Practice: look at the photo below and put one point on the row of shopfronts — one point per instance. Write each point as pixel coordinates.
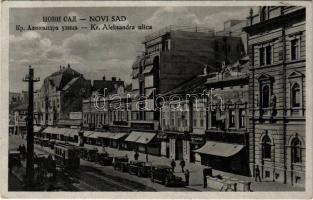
(145, 142)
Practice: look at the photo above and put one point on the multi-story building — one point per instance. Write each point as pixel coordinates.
(206, 113)
(95, 108)
(227, 142)
(61, 94)
(174, 55)
(182, 119)
(276, 47)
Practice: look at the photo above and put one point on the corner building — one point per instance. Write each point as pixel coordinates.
(276, 47)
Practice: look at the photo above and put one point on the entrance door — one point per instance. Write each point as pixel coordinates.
(178, 149)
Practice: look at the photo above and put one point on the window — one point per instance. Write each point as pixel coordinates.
(268, 55)
(267, 148)
(265, 55)
(231, 118)
(213, 118)
(195, 118)
(171, 118)
(295, 49)
(296, 151)
(265, 97)
(295, 95)
(261, 55)
(201, 119)
(242, 118)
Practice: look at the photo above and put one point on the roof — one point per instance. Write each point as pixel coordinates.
(69, 84)
(108, 84)
(61, 77)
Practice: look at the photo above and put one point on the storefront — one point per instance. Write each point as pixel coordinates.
(222, 156)
(144, 142)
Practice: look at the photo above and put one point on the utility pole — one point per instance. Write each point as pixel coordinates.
(30, 128)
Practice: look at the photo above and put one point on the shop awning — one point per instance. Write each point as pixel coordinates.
(146, 138)
(96, 135)
(140, 137)
(117, 136)
(71, 132)
(52, 130)
(113, 136)
(133, 136)
(148, 69)
(87, 133)
(219, 149)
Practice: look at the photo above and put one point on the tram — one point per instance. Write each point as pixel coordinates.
(67, 156)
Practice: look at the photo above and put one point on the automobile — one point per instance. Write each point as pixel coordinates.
(104, 159)
(164, 174)
(139, 168)
(121, 163)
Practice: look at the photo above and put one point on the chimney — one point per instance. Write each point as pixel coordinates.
(103, 78)
(114, 78)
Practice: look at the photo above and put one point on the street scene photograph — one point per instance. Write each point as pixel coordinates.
(157, 99)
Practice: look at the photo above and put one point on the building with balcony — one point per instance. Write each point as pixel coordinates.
(276, 47)
(172, 56)
(226, 145)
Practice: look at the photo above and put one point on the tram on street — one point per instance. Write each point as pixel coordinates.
(67, 156)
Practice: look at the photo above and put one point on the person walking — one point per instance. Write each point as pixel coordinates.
(173, 164)
(257, 174)
(187, 175)
(136, 156)
(182, 164)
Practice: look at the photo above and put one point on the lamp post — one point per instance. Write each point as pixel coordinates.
(30, 128)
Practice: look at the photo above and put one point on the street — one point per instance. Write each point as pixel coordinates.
(93, 177)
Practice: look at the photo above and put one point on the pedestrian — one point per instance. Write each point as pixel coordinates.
(182, 164)
(257, 174)
(136, 155)
(187, 175)
(147, 159)
(173, 164)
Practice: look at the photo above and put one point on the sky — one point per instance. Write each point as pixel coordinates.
(96, 53)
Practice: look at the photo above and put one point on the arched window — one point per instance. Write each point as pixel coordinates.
(265, 97)
(296, 153)
(267, 147)
(295, 95)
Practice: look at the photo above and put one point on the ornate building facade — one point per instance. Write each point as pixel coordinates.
(276, 47)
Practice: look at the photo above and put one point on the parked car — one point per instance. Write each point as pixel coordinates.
(104, 159)
(121, 163)
(140, 168)
(164, 174)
